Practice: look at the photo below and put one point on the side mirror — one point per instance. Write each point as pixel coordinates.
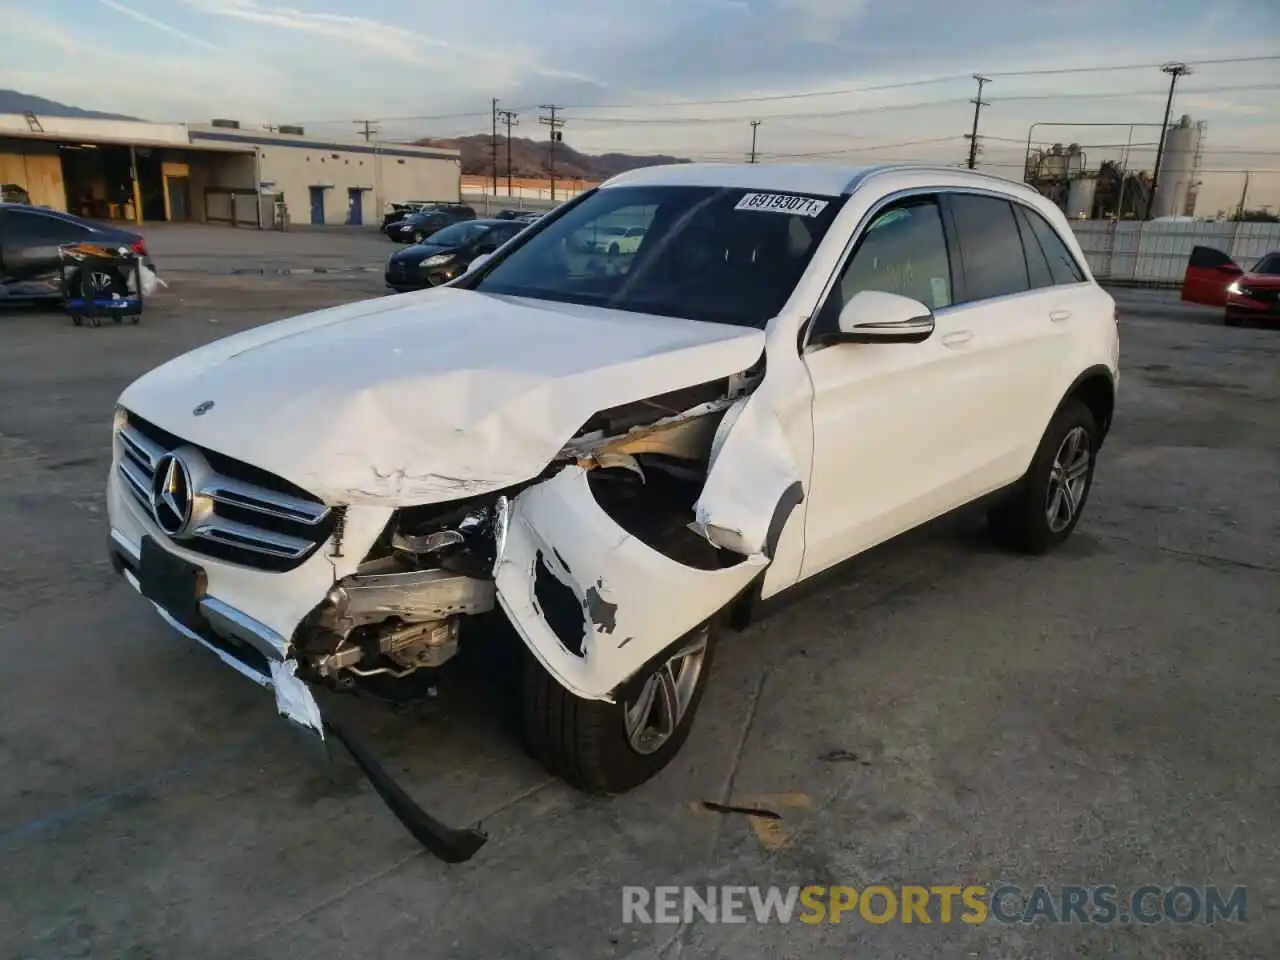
(479, 262)
(873, 316)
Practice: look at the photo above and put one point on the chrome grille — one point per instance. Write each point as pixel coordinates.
(237, 512)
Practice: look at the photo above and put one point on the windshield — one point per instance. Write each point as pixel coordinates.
(702, 253)
(458, 235)
(1269, 265)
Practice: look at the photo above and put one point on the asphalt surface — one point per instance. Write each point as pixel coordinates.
(943, 714)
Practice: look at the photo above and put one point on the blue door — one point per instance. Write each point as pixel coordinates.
(355, 205)
(317, 204)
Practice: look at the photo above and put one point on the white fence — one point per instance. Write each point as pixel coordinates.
(1156, 253)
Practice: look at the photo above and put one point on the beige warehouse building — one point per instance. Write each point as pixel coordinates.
(218, 172)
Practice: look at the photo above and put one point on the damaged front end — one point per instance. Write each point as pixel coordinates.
(644, 525)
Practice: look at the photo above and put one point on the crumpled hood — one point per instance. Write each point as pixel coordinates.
(428, 396)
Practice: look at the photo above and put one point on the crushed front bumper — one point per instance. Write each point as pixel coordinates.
(250, 648)
(256, 651)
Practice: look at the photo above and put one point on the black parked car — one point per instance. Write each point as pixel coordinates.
(30, 267)
(417, 225)
(447, 253)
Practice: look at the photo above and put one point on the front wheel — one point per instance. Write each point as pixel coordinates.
(1047, 506)
(608, 748)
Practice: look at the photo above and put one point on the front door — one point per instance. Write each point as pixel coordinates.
(892, 423)
(355, 206)
(1209, 273)
(179, 191)
(317, 204)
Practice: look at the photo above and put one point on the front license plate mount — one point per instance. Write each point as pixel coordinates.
(171, 582)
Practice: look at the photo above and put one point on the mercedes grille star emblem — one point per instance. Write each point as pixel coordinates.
(171, 495)
(203, 408)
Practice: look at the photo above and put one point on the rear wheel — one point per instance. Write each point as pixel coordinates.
(1045, 509)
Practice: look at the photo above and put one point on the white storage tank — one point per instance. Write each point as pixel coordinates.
(1179, 168)
(1080, 194)
(1053, 165)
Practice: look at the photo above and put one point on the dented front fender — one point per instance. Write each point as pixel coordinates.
(593, 603)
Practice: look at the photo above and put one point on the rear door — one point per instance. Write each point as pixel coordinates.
(31, 240)
(1020, 318)
(1209, 273)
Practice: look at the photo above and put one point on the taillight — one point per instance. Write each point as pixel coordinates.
(139, 247)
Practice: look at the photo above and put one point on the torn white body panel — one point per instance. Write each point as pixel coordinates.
(427, 397)
(634, 602)
(753, 483)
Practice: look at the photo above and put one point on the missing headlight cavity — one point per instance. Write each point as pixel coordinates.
(658, 509)
(560, 607)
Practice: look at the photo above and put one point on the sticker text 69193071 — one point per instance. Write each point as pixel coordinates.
(781, 203)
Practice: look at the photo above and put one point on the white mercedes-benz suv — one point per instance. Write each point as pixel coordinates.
(620, 456)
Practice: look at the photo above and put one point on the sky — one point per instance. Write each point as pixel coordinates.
(625, 72)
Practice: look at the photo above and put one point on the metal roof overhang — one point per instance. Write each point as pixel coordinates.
(59, 139)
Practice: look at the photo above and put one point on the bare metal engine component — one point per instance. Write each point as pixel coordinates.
(411, 646)
(420, 645)
(413, 596)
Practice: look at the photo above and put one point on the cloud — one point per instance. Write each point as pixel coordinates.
(164, 27)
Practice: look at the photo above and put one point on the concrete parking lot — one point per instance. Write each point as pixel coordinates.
(945, 714)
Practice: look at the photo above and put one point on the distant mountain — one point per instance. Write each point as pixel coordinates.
(529, 158)
(12, 101)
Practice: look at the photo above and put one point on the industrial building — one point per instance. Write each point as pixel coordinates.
(1110, 190)
(217, 172)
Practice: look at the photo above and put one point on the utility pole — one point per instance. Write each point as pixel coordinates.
(493, 142)
(556, 137)
(1244, 196)
(368, 129)
(978, 104)
(1175, 70)
(754, 125)
(509, 118)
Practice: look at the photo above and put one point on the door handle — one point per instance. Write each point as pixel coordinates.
(1057, 316)
(958, 338)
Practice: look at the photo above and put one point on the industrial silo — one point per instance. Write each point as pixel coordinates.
(1179, 168)
(1080, 196)
(1053, 164)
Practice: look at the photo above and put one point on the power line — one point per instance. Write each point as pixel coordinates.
(929, 81)
(917, 105)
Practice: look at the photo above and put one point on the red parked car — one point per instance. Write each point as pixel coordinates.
(1214, 279)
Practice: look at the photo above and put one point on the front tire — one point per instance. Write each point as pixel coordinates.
(1047, 506)
(609, 748)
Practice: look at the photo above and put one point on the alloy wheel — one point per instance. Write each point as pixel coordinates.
(664, 699)
(1068, 479)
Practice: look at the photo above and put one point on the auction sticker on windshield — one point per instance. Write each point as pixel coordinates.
(782, 203)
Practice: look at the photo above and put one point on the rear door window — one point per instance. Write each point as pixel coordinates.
(1037, 263)
(990, 247)
(1062, 265)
